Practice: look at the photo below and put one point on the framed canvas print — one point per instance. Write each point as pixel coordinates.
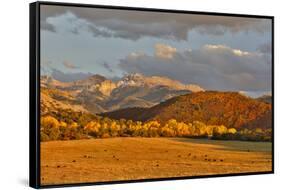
(122, 94)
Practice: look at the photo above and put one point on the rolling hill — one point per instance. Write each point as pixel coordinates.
(265, 98)
(52, 100)
(227, 108)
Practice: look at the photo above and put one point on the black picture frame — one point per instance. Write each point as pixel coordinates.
(34, 93)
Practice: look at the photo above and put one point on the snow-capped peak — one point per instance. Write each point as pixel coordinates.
(134, 79)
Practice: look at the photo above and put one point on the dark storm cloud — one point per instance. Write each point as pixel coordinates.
(69, 77)
(137, 24)
(215, 67)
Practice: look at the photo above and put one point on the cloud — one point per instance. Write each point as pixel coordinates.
(265, 48)
(69, 77)
(46, 63)
(46, 66)
(69, 65)
(47, 26)
(164, 51)
(224, 49)
(134, 25)
(214, 67)
(107, 67)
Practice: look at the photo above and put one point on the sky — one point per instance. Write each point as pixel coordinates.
(216, 52)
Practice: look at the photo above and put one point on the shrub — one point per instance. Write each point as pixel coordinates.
(44, 136)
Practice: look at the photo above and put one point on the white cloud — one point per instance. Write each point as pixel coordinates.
(217, 67)
(224, 48)
(164, 51)
(238, 52)
(135, 55)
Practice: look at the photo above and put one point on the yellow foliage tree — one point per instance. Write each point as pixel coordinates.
(93, 128)
(219, 130)
(50, 127)
(231, 131)
(49, 122)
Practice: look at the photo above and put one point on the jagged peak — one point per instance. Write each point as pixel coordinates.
(133, 76)
(138, 79)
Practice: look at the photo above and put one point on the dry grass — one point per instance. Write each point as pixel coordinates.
(139, 158)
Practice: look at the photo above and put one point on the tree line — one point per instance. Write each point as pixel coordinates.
(69, 125)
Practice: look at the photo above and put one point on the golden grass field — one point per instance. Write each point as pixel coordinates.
(129, 158)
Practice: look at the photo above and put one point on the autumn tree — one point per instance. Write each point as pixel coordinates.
(49, 127)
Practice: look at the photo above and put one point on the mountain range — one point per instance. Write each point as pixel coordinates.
(144, 98)
(97, 94)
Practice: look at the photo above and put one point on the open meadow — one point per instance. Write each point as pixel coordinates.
(130, 158)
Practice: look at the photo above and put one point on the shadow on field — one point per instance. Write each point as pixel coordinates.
(244, 146)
